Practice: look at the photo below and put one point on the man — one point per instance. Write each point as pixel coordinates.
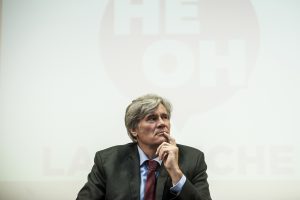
(153, 166)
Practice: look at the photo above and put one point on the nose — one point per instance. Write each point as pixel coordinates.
(161, 122)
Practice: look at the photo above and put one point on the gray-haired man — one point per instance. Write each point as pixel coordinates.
(125, 171)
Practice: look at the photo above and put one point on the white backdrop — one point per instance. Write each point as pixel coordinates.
(69, 68)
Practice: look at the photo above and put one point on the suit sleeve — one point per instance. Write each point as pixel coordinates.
(95, 187)
(196, 187)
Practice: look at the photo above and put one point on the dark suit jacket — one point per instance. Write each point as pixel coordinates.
(116, 176)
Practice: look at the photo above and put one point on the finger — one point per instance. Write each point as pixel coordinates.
(163, 150)
(159, 147)
(163, 154)
(171, 140)
(167, 136)
(160, 153)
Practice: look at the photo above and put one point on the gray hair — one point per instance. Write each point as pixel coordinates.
(141, 107)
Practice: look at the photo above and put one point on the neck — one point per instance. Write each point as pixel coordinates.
(149, 150)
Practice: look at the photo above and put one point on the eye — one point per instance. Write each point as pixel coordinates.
(151, 118)
(165, 116)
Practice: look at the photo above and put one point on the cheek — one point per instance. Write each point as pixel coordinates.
(147, 129)
(150, 128)
(168, 124)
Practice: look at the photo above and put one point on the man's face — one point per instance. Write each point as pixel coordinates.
(149, 131)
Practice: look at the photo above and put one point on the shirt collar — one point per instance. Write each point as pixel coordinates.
(143, 157)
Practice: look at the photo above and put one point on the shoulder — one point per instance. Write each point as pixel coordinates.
(117, 151)
(189, 150)
(190, 154)
(191, 160)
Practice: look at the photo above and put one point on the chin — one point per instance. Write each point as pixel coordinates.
(162, 139)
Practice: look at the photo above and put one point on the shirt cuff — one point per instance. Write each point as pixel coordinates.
(178, 186)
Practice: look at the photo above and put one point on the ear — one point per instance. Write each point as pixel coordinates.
(133, 132)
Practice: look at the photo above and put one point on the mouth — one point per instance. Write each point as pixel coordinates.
(161, 133)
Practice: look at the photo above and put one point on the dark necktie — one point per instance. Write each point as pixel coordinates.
(151, 180)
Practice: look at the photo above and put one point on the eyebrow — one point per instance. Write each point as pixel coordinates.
(151, 115)
(154, 114)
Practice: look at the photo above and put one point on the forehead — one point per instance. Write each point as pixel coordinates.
(159, 109)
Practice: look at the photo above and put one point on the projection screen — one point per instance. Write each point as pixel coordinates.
(230, 68)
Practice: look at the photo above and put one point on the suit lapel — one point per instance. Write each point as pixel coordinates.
(133, 165)
(161, 181)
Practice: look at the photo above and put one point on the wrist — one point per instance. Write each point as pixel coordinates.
(176, 175)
